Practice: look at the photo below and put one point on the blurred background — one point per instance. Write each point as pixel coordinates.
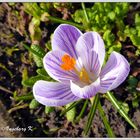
(25, 27)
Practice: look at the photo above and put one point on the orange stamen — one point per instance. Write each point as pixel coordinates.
(68, 62)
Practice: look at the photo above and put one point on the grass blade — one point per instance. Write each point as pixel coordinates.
(82, 111)
(105, 121)
(91, 114)
(85, 12)
(59, 20)
(29, 96)
(120, 109)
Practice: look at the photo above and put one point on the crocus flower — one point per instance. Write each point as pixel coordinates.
(75, 62)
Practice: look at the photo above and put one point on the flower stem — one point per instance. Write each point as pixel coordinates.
(91, 114)
(59, 20)
(85, 12)
(82, 111)
(120, 109)
(105, 121)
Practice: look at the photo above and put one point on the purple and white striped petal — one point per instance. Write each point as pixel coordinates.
(65, 38)
(90, 48)
(114, 73)
(52, 64)
(86, 91)
(53, 93)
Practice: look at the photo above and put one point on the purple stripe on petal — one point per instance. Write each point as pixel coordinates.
(64, 76)
(90, 48)
(53, 93)
(60, 71)
(65, 38)
(114, 73)
(66, 95)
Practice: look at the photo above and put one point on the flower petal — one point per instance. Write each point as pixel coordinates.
(87, 91)
(114, 73)
(53, 93)
(90, 48)
(52, 63)
(65, 38)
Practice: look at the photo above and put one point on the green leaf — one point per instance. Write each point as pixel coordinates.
(132, 81)
(124, 106)
(33, 51)
(30, 82)
(105, 121)
(39, 50)
(48, 44)
(108, 37)
(112, 15)
(116, 47)
(138, 30)
(42, 72)
(48, 109)
(71, 113)
(91, 114)
(124, 7)
(59, 20)
(122, 36)
(120, 109)
(135, 40)
(102, 16)
(127, 31)
(79, 16)
(33, 104)
(82, 111)
(137, 19)
(32, 9)
(120, 25)
(138, 52)
(133, 31)
(24, 73)
(24, 97)
(38, 61)
(38, 54)
(28, 96)
(117, 10)
(135, 102)
(34, 29)
(45, 6)
(85, 12)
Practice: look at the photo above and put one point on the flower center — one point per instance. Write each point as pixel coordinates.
(69, 64)
(83, 75)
